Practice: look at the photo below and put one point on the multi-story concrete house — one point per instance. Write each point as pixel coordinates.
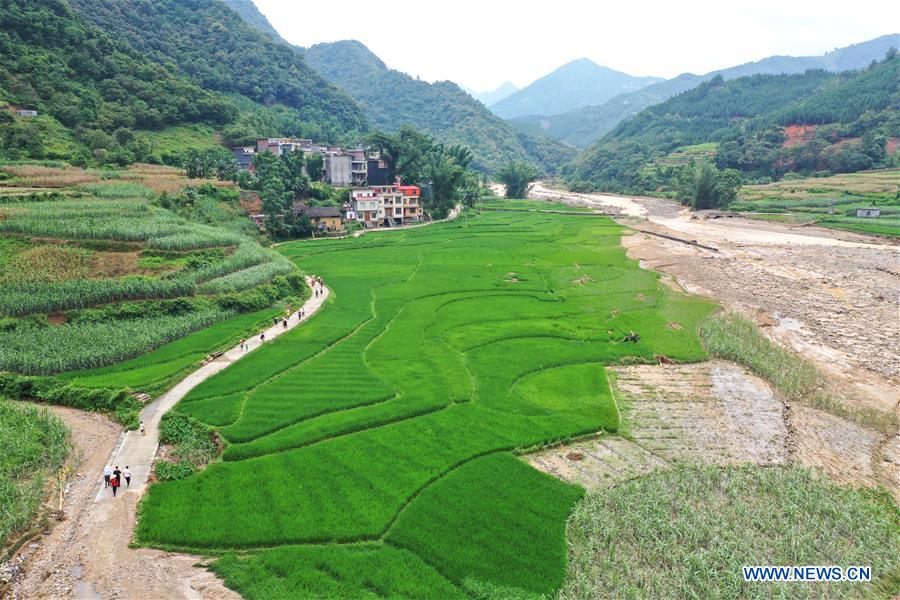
(338, 169)
(279, 146)
(386, 205)
(359, 169)
(243, 156)
(367, 207)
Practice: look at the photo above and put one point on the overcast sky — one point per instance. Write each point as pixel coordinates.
(481, 43)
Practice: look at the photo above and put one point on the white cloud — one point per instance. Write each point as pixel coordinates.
(480, 44)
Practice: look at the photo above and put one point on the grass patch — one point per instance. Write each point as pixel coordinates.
(686, 533)
(733, 337)
(33, 445)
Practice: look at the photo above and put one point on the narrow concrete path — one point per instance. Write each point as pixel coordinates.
(137, 451)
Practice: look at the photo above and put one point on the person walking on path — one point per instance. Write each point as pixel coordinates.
(284, 323)
(243, 344)
(107, 473)
(114, 484)
(127, 475)
(117, 474)
(262, 337)
(142, 428)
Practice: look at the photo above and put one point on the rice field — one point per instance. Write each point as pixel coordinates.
(373, 450)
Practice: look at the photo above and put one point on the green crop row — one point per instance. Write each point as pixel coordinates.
(249, 277)
(44, 350)
(23, 299)
(126, 221)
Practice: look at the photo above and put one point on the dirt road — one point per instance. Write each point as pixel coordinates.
(87, 556)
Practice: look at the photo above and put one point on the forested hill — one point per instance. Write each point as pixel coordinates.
(391, 99)
(85, 85)
(212, 45)
(584, 125)
(249, 13)
(763, 125)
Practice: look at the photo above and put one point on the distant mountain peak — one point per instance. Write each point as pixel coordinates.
(577, 83)
(507, 88)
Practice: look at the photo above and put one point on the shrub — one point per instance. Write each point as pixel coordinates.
(115, 402)
(172, 471)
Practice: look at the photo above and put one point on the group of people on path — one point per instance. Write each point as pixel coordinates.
(113, 478)
(318, 288)
(318, 285)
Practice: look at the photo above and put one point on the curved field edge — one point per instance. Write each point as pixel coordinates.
(409, 314)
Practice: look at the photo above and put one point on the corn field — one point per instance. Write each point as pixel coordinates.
(125, 221)
(46, 350)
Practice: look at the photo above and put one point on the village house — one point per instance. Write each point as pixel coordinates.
(279, 146)
(24, 112)
(323, 218)
(338, 169)
(870, 212)
(386, 205)
(243, 156)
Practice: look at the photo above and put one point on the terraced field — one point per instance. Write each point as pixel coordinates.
(373, 450)
(96, 268)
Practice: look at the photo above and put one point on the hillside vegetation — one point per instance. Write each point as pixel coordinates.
(853, 113)
(86, 85)
(212, 45)
(392, 99)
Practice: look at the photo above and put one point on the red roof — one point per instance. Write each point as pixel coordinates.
(410, 190)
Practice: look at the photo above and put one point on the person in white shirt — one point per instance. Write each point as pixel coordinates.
(127, 475)
(107, 473)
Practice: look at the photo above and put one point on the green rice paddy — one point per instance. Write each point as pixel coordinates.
(373, 450)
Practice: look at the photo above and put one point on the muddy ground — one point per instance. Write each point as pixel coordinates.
(86, 555)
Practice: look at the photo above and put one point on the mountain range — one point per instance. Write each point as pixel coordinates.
(575, 84)
(507, 88)
(588, 122)
(391, 99)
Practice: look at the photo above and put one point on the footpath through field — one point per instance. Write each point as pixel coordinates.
(87, 555)
(138, 451)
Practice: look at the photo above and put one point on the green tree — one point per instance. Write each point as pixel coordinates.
(314, 165)
(703, 186)
(516, 176)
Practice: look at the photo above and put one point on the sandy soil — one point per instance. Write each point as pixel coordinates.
(713, 412)
(86, 556)
(717, 413)
(831, 296)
